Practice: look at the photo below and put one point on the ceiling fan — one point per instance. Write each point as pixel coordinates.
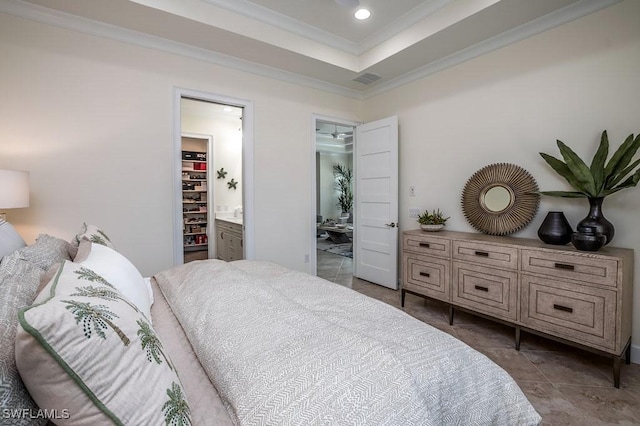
(336, 134)
(348, 3)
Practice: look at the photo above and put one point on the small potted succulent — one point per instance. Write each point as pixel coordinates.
(433, 221)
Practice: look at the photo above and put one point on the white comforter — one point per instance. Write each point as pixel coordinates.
(286, 348)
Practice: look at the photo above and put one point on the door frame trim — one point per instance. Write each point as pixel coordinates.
(248, 195)
(313, 260)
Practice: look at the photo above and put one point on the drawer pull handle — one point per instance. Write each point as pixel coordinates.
(479, 287)
(424, 245)
(563, 308)
(425, 274)
(482, 253)
(564, 266)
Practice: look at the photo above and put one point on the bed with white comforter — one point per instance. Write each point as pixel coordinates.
(86, 340)
(284, 347)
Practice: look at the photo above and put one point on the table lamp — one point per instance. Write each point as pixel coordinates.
(14, 194)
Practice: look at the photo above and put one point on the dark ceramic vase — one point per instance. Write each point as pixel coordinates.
(555, 229)
(586, 238)
(595, 219)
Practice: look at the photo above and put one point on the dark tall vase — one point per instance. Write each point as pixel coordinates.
(595, 219)
(555, 229)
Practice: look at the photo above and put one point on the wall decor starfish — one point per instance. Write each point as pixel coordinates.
(221, 173)
(232, 184)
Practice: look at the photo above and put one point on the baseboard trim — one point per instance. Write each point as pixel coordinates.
(635, 354)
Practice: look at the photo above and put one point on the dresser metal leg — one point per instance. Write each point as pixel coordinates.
(616, 371)
(517, 338)
(451, 315)
(402, 298)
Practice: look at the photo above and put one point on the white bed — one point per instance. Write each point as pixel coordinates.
(252, 343)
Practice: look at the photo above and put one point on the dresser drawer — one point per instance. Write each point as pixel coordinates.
(429, 276)
(487, 290)
(572, 311)
(580, 267)
(427, 244)
(486, 254)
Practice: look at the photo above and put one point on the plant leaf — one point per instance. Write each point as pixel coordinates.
(563, 194)
(620, 159)
(564, 171)
(579, 169)
(631, 181)
(624, 173)
(597, 164)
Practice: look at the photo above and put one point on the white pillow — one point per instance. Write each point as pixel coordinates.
(88, 355)
(10, 240)
(118, 271)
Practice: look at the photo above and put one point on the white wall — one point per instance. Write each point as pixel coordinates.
(91, 119)
(569, 83)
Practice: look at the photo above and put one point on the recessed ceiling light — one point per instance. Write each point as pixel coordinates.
(227, 109)
(362, 14)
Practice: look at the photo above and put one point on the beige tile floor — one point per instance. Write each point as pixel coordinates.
(566, 385)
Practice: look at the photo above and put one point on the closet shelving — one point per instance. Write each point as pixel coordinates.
(194, 200)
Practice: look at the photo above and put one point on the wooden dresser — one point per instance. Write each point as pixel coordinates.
(580, 298)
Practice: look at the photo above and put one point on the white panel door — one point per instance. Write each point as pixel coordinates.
(376, 202)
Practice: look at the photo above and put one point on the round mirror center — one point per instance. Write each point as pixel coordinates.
(497, 199)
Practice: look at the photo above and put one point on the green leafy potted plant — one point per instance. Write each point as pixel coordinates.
(599, 180)
(433, 221)
(344, 177)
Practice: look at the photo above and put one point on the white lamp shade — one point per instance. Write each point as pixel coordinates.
(14, 189)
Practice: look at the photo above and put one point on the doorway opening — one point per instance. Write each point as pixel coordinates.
(375, 198)
(214, 178)
(334, 200)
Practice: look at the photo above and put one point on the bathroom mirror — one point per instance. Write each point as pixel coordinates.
(500, 199)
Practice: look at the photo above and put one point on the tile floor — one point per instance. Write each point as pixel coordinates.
(566, 385)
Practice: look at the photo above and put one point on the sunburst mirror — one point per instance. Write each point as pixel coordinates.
(500, 199)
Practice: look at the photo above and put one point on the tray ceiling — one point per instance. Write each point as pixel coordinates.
(316, 43)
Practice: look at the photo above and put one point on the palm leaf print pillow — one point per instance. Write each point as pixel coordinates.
(86, 349)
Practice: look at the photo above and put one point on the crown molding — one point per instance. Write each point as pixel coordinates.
(552, 20)
(402, 23)
(68, 21)
(286, 23)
